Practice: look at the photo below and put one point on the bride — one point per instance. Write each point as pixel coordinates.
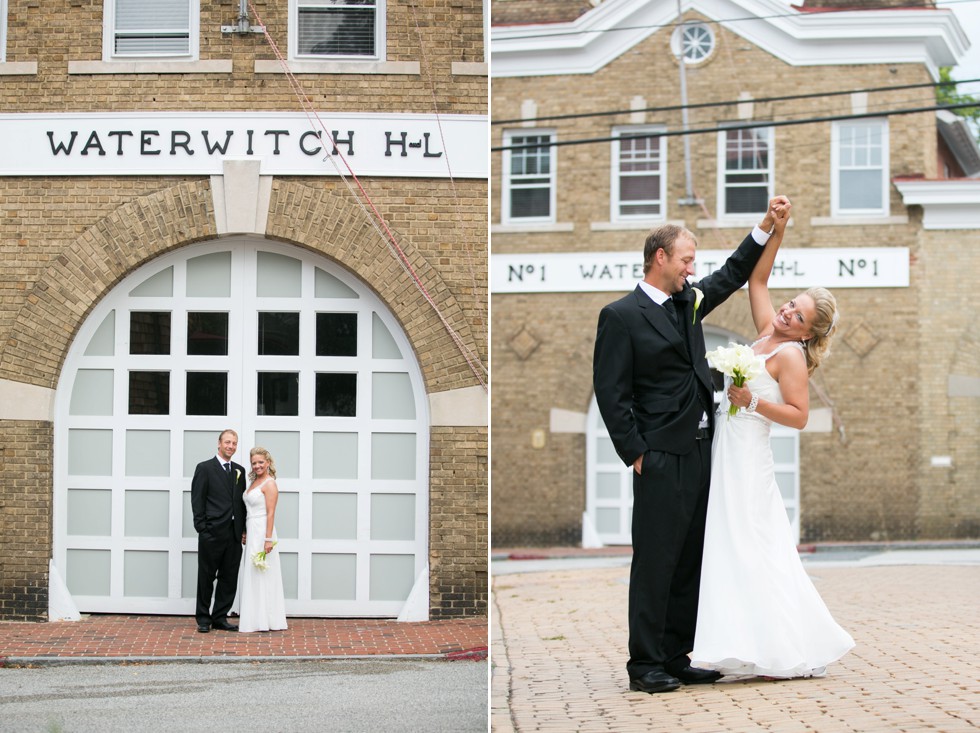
(262, 606)
(759, 613)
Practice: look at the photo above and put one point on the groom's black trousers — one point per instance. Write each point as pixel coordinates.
(219, 552)
(670, 500)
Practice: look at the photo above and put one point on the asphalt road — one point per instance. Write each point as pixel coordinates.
(270, 697)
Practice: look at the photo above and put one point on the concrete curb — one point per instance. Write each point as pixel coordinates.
(476, 655)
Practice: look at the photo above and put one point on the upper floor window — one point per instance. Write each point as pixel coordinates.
(745, 180)
(859, 167)
(638, 165)
(337, 29)
(151, 29)
(529, 177)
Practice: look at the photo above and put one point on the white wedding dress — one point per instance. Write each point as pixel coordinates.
(758, 613)
(260, 602)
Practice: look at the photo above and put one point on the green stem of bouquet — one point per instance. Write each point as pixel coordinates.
(738, 379)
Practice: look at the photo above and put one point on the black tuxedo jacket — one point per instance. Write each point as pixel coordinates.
(217, 496)
(651, 379)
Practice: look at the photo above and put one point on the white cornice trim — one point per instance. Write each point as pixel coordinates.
(922, 36)
(946, 204)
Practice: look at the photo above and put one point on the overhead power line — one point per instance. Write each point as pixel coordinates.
(737, 126)
(730, 103)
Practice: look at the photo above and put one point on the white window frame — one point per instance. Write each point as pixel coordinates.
(380, 35)
(836, 169)
(3, 30)
(508, 183)
(723, 183)
(109, 36)
(615, 212)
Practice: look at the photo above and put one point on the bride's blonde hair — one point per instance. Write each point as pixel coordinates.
(825, 323)
(260, 451)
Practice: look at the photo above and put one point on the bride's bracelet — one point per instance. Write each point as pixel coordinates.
(269, 539)
(753, 403)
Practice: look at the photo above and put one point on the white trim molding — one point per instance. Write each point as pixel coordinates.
(946, 204)
(911, 36)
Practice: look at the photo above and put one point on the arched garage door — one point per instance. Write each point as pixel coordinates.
(294, 353)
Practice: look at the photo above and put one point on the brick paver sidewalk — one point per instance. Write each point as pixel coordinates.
(559, 651)
(176, 637)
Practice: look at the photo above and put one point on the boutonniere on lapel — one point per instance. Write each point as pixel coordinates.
(238, 475)
(698, 296)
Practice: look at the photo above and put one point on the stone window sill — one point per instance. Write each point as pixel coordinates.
(340, 67)
(531, 228)
(218, 66)
(18, 68)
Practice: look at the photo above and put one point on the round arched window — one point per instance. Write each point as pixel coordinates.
(694, 42)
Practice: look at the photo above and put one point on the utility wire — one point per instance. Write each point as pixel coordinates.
(736, 126)
(731, 103)
(600, 166)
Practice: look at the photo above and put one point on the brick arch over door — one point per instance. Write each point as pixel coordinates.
(326, 222)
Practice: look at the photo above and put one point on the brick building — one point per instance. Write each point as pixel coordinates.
(833, 106)
(186, 248)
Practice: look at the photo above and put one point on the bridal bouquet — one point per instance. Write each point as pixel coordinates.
(739, 362)
(258, 559)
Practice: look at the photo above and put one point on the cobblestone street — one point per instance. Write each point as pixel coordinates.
(559, 653)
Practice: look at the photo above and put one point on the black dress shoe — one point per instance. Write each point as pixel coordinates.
(203, 628)
(655, 681)
(223, 626)
(695, 676)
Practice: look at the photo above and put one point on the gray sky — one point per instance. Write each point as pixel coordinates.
(968, 13)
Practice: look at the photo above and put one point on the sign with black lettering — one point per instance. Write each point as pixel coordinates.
(859, 267)
(287, 143)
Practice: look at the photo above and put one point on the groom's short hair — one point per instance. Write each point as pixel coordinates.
(663, 237)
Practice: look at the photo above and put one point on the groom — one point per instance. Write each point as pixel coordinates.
(654, 391)
(219, 518)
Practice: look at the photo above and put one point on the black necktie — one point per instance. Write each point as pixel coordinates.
(671, 311)
(228, 468)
